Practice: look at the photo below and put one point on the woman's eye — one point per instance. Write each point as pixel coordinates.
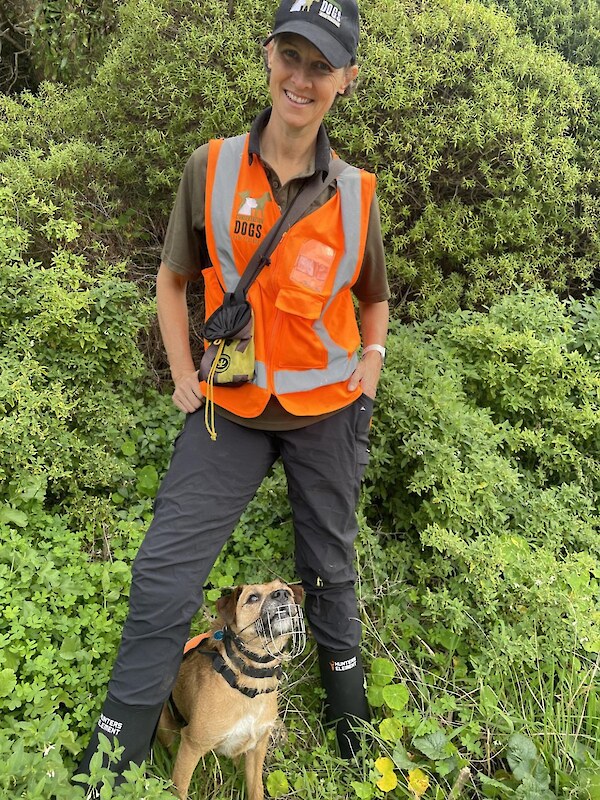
(323, 67)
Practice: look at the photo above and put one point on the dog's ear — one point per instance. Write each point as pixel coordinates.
(227, 605)
(297, 591)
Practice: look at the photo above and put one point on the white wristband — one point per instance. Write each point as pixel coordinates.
(378, 347)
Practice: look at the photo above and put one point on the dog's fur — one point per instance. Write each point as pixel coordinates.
(219, 717)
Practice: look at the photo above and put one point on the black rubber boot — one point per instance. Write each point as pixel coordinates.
(343, 678)
(134, 728)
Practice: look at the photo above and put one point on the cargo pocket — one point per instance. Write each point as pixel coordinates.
(300, 347)
(364, 414)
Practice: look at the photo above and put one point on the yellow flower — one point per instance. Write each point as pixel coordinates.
(388, 780)
(418, 782)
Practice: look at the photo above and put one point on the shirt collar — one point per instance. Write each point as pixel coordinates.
(322, 152)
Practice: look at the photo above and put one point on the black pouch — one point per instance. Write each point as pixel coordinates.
(229, 358)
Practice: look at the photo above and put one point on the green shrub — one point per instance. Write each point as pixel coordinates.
(52, 40)
(472, 131)
(69, 37)
(485, 452)
(478, 181)
(69, 367)
(572, 27)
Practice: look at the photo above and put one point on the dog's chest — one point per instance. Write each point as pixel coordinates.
(244, 734)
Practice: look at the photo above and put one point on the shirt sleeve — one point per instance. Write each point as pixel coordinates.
(372, 284)
(184, 249)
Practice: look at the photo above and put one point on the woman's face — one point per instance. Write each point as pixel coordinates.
(303, 84)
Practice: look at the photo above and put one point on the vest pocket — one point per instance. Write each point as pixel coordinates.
(299, 346)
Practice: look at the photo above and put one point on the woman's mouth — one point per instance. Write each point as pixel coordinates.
(295, 98)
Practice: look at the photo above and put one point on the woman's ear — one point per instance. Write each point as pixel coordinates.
(350, 75)
(269, 53)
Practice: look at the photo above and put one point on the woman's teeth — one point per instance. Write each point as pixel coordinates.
(296, 99)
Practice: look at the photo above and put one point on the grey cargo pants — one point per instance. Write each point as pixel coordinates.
(206, 489)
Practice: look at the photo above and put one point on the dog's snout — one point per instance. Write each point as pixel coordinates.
(279, 594)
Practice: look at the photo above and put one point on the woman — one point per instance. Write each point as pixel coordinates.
(312, 404)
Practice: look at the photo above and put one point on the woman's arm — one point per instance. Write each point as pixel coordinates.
(374, 319)
(171, 299)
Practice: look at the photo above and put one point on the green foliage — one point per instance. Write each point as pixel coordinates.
(485, 451)
(37, 766)
(69, 365)
(52, 40)
(481, 141)
(463, 141)
(64, 580)
(480, 612)
(572, 27)
(436, 740)
(68, 37)
(478, 556)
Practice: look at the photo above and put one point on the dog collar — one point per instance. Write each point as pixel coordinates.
(246, 669)
(228, 634)
(226, 672)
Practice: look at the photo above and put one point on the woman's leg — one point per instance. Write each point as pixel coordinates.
(201, 498)
(324, 465)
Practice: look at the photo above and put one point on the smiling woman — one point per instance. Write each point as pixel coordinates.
(303, 86)
(311, 397)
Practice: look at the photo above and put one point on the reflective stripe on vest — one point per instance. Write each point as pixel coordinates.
(228, 167)
(339, 366)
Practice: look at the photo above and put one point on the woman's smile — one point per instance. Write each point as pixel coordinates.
(296, 98)
(303, 83)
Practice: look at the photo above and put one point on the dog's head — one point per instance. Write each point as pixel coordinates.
(267, 615)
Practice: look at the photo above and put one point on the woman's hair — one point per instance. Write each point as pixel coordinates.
(348, 91)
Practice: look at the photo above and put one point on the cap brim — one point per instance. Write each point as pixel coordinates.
(334, 52)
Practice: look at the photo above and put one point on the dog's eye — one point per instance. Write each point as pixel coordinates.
(253, 598)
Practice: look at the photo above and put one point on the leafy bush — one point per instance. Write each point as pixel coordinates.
(478, 563)
(68, 37)
(52, 40)
(483, 182)
(570, 26)
(485, 453)
(60, 624)
(69, 365)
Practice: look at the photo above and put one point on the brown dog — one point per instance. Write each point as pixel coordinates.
(225, 696)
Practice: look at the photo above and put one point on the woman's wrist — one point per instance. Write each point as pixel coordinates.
(375, 348)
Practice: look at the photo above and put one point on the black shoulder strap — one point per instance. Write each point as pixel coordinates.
(309, 192)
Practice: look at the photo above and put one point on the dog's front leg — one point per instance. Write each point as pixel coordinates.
(189, 753)
(254, 768)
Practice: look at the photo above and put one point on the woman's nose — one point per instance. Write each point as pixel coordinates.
(301, 75)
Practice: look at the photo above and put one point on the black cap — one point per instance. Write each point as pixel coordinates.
(330, 25)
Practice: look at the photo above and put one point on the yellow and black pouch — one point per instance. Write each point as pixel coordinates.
(229, 358)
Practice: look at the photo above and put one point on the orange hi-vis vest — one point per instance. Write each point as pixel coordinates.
(305, 330)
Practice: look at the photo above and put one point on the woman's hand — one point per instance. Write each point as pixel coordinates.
(187, 396)
(366, 375)
(173, 319)
(373, 324)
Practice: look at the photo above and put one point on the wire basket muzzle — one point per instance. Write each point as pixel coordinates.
(283, 631)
